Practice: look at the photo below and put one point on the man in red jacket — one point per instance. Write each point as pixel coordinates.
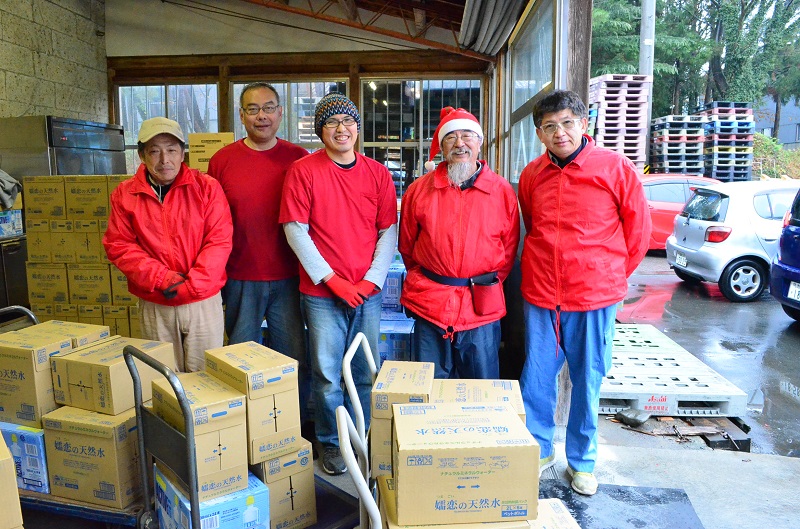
(588, 228)
(170, 233)
(459, 231)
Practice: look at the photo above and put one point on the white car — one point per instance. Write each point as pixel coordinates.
(729, 233)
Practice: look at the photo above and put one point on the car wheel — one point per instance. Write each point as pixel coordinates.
(791, 312)
(743, 280)
(686, 277)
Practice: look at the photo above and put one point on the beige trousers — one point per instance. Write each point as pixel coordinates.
(191, 328)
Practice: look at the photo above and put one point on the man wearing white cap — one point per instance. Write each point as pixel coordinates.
(170, 233)
(459, 231)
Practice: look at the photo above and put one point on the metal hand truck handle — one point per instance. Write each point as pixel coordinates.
(369, 514)
(352, 392)
(168, 438)
(18, 308)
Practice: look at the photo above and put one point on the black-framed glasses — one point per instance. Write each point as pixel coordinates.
(333, 123)
(465, 136)
(252, 110)
(567, 124)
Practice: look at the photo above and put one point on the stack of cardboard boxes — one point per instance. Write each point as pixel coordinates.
(69, 277)
(458, 451)
(202, 147)
(396, 329)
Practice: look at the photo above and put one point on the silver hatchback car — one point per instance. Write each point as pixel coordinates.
(728, 234)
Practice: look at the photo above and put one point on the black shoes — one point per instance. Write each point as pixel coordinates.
(332, 461)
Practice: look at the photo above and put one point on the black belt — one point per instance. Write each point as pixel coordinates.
(458, 281)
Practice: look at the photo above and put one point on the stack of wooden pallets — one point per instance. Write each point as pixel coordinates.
(728, 146)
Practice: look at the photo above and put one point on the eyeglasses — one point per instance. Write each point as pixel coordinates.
(333, 123)
(253, 110)
(466, 137)
(567, 124)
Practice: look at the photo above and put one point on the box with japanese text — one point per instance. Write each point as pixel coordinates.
(135, 323)
(119, 288)
(26, 387)
(27, 448)
(65, 312)
(393, 287)
(269, 379)
(44, 197)
(96, 377)
(116, 317)
(47, 283)
(286, 465)
(38, 246)
(79, 334)
(220, 429)
(248, 508)
(479, 392)
(62, 241)
(463, 463)
(394, 340)
(92, 457)
(43, 311)
(293, 501)
(553, 514)
(89, 284)
(388, 509)
(86, 196)
(91, 314)
(9, 495)
(89, 241)
(400, 382)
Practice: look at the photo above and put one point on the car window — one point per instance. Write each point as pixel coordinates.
(780, 202)
(706, 205)
(667, 192)
(761, 205)
(795, 218)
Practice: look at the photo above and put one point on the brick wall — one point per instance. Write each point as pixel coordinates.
(53, 59)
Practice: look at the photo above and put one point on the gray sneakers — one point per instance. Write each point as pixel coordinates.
(332, 461)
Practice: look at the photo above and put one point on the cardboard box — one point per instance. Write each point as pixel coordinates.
(293, 501)
(79, 334)
(380, 465)
(135, 323)
(62, 241)
(209, 141)
(47, 283)
(479, 392)
(65, 312)
(43, 311)
(553, 514)
(388, 508)
(117, 320)
(11, 223)
(44, 197)
(38, 246)
(96, 377)
(114, 180)
(394, 340)
(27, 448)
(119, 288)
(220, 430)
(401, 382)
(26, 387)
(9, 496)
(92, 314)
(284, 466)
(89, 284)
(393, 287)
(463, 463)
(93, 457)
(247, 508)
(269, 379)
(86, 197)
(89, 241)
(38, 225)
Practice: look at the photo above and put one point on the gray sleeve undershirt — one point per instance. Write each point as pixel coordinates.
(317, 268)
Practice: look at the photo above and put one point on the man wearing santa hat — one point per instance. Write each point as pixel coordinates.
(459, 230)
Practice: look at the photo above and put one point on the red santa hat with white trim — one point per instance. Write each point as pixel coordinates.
(451, 119)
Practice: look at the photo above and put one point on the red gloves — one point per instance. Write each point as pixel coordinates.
(173, 285)
(345, 290)
(365, 288)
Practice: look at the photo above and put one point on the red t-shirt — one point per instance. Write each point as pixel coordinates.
(253, 183)
(344, 209)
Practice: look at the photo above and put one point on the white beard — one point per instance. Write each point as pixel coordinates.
(458, 173)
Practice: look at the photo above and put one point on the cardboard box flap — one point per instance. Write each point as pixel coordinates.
(479, 391)
(39, 348)
(253, 369)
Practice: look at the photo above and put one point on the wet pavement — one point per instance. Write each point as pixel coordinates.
(753, 345)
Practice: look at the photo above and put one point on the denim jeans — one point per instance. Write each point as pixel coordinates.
(471, 353)
(585, 344)
(332, 326)
(248, 303)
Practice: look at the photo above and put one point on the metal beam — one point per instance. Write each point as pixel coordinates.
(274, 4)
(349, 7)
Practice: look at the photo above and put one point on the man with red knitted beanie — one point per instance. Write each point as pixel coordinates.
(459, 231)
(339, 214)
